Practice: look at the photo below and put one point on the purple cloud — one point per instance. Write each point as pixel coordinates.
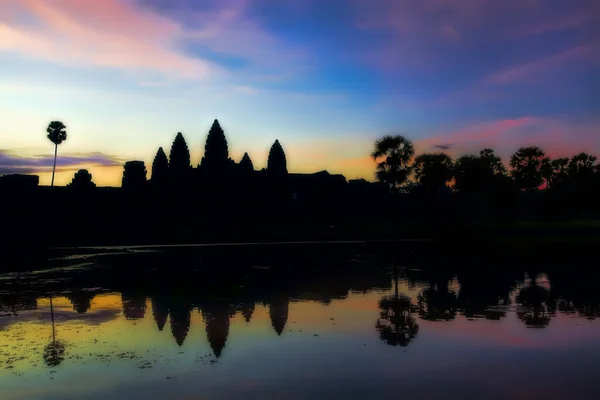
(11, 163)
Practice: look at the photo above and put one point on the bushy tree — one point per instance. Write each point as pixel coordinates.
(433, 171)
(560, 172)
(528, 167)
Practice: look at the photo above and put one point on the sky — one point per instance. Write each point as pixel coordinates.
(326, 78)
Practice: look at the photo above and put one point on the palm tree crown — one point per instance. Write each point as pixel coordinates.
(395, 153)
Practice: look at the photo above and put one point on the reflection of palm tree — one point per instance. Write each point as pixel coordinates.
(536, 306)
(54, 353)
(396, 325)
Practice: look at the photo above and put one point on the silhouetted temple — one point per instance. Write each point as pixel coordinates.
(217, 175)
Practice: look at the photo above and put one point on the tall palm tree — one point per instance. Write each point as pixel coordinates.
(395, 154)
(57, 134)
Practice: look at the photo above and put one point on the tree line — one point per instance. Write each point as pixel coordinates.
(531, 169)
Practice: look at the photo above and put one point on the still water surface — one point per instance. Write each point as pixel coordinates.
(160, 324)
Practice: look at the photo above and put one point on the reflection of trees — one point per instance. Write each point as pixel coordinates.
(481, 291)
(537, 306)
(54, 352)
(437, 302)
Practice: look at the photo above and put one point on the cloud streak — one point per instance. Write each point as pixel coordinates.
(107, 33)
(11, 163)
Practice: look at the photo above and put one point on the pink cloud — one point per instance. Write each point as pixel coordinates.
(539, 68)
(557, 137)
(105, 33)
(124, 35)
(479, 135)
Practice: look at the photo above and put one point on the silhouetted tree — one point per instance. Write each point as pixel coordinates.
(277, 164)
(528, 167)
(245, 165)
(395, 154)
(57, 134)
(433, 171)
(216, 151)
(475, 180)
(82, 180)
(493, 161)
(471, 174)
(179, 165)
(160, 167)
(134, 175)
(559, 171)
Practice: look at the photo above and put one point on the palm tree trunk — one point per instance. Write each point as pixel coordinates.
(52, 317)
(54, 168)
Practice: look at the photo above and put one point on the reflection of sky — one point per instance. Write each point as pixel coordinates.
(324, 351)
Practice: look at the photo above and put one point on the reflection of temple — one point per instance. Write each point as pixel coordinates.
(278, 311)
(81, 300)
(160, 311)
(216, 317)
(181, 318)
(13, 304)
(134, 305)
(247, 310)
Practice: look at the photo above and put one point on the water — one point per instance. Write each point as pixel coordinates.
(295, 323)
